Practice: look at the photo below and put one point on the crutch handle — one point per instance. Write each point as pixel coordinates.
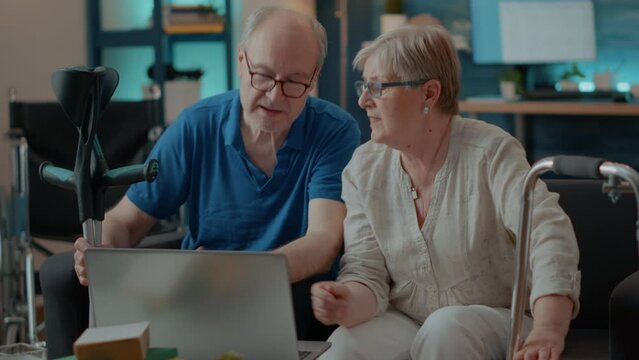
(577, 166)
(57, 176)
(127, 175)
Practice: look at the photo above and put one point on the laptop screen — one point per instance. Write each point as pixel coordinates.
(205, 303)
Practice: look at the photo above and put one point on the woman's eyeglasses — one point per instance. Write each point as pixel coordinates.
(375, 88)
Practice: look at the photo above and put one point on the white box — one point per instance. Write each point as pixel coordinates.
(178, 95)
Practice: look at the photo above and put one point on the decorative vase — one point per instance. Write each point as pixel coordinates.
(390, 22)
(567, 85)
(508, 90)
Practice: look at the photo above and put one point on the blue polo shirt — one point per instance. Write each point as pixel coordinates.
(232, 204)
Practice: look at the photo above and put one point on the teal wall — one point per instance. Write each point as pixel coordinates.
(617, 32)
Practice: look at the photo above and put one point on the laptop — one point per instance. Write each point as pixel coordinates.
(204, 303)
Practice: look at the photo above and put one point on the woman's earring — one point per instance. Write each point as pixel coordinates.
(426, 110)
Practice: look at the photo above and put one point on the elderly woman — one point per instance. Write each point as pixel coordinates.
(433, 203)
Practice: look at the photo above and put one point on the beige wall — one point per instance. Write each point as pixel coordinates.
(36, 37)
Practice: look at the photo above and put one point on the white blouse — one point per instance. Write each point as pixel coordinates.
(465, 252)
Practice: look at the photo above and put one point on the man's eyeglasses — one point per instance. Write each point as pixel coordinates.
(375, 88)
(262, 82)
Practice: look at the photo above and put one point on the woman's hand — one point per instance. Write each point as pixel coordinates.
(330, 301)
(543, 343)
(552, 314)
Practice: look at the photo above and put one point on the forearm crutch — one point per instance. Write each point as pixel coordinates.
(83, 94)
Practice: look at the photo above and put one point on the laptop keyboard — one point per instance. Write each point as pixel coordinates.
(303, 354)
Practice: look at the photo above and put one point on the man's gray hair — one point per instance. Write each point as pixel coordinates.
(258, 17)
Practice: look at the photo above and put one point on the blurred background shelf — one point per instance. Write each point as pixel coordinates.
(160, 43)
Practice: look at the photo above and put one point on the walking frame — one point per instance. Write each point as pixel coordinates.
(620, 179)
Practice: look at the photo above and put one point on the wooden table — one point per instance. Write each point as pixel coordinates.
(521, 108)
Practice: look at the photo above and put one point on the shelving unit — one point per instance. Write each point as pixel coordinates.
(160, 38)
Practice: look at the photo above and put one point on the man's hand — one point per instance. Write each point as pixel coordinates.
(123, 227)
(330, 301)
(543, 343)
(315, 252)
(81, 245)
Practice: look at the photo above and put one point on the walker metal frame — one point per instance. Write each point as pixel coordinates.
(621, 179)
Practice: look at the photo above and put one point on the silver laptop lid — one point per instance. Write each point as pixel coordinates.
(205, 303)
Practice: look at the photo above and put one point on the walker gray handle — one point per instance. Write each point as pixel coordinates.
(577, 166)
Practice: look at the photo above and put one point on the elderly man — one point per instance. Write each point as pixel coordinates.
(259, 169)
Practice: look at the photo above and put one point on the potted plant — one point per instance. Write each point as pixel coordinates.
(393, 7)
(510, 83)
(567, 81)
(393, 16)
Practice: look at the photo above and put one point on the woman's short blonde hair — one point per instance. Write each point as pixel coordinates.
(418, 52)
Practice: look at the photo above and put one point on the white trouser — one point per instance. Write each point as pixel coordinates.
(453, 332)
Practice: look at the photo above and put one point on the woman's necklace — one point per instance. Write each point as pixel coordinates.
(413, 190)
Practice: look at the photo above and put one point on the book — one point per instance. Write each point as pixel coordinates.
(212, 28)
(130, 341)
(191, 16)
